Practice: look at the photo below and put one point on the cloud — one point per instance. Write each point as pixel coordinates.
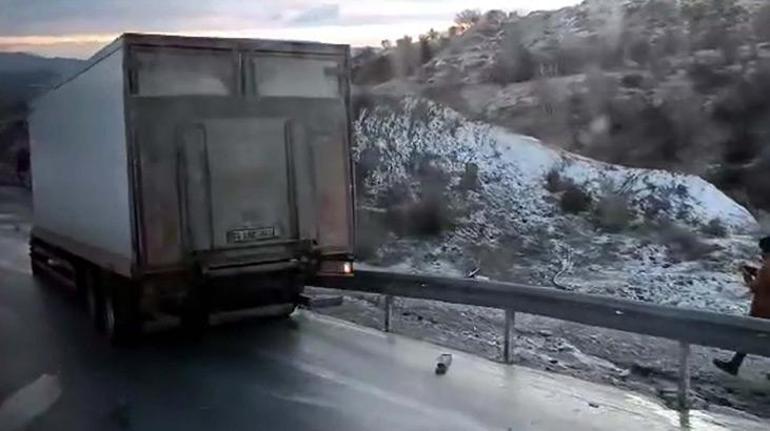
(55, 24)
(46, 17)
(324, 14)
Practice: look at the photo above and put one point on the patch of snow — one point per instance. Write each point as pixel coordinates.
(513, 166)
(513, 228)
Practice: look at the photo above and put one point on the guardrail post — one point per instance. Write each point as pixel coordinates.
(510, 321)
(388, 311)
(684, 375)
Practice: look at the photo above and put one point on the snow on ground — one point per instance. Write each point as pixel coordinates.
(513, 228)
(518, 164)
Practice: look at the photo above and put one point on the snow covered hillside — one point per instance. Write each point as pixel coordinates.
(503, 196)
(512, 168)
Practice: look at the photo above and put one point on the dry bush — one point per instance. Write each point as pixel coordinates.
(683, 244)
(470, 178)
(761, 23)
(554, 182)
(468, 17)
(423, 218)
(374, 71)
(632, 80)
(715, 228)
(371, 233)
(575, 200)
(613, 212)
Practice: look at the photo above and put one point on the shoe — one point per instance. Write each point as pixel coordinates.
(726, 366)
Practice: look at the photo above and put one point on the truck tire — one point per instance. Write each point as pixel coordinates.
(35, 266)
(92, 306)
(120, 315)
(88, 285)
(195, 313)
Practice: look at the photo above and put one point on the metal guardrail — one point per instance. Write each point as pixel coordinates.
(744, 334)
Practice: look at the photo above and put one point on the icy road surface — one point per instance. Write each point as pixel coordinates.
(307, 373)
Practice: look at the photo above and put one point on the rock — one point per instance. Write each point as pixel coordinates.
(641, 370)
(593, 405)
(545, 333)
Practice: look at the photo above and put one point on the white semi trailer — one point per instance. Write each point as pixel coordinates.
(179, 176)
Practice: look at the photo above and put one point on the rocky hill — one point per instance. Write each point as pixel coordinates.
(671, 84)
(612, 148)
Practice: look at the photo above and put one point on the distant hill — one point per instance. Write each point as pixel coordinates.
(23, 76)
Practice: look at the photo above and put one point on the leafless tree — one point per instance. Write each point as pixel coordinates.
(468, 18)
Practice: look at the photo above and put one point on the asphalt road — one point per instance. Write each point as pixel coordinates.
(305, 373)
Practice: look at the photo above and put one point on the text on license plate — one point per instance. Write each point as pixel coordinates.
(250, 235)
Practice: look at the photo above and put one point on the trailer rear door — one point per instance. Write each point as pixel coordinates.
(238, 184)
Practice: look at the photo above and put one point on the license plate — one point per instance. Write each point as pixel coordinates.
(250, 235)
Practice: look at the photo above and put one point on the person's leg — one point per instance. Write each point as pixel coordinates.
(732, 366)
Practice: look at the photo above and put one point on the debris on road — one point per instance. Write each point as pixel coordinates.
(442, 363)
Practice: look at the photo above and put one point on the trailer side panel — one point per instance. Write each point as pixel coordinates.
(80, 165)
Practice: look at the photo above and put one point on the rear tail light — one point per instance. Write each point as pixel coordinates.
(337, 267)
(347, 267)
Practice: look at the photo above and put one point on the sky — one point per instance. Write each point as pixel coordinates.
(78, 28)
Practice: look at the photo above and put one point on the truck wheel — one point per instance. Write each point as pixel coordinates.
(121, 324)
(110, 325)
(88, 281)
(195, 315)
(35, 266)
(93, 307)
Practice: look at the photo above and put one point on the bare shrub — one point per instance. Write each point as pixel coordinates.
(613, 212)
(683, 244)
(655, 206)
(554, 182)
(575, 200)
(371, 233)
(470, 177)
(423, 218)
(640, 51)
(514, 62)
(632, 80)
(707, 79)
(367, 163)
(406, 57)
(375, 71)
(425, 48)
(509, 68)
(467, 18)
(398, 194)
(430, 217)
(362, 100)
(715, 228)
(761, 23)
